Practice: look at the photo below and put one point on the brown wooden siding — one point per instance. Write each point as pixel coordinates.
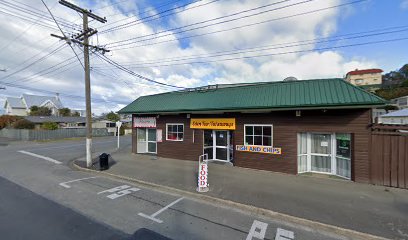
(285, 128)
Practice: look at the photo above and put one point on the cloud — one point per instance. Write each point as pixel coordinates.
(112, 88)
(404, 4)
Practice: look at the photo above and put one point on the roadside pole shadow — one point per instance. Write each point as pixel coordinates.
(147, 234)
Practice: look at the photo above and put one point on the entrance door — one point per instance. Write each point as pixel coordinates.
(146, 140)
(321, 153)
(217, 144)
(151, 140)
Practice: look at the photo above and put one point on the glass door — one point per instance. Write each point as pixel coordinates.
(221, 145)
(209, 143)
(325, 153)
(343, 155)
(151, 140)
(321, 153)
(141, 140)
(217, 144)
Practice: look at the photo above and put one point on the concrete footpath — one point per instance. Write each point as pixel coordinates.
(364, 208)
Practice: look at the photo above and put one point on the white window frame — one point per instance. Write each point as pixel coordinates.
(167, 129)
(332, 157)
(259, 125)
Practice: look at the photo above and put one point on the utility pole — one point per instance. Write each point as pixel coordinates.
(83, 39)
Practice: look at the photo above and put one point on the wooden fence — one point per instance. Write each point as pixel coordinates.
(30, 135)
(389, 155)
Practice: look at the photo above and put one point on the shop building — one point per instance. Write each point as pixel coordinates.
(291, 127)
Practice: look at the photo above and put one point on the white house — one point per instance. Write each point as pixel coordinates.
(401, 102)
(397, 117)
(21, 106)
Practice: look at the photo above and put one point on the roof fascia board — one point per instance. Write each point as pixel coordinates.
(258, 110)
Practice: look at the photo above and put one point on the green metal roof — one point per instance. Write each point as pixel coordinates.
(271, 95)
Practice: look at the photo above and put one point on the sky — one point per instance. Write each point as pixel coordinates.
(187, 44)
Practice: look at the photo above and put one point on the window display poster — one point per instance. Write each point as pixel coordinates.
(159, 135)
(343, 145)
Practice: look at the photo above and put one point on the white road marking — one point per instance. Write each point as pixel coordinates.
(260, 234)
(153, 216)
(64, 184)
(282, 234)
(115, 189)
(40, 156)
(122, 193)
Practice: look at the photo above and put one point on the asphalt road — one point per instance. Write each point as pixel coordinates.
(39, 190)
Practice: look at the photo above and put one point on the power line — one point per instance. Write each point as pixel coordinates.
(146, 11)
(269, 47)
(241, 26)
(117, 65)
(213, 19)
(28, 20)
(158, 16)
(25, 8)
(289, 52)
(21, 34)
(97, 100)
(59, 48)
(109, 5)
(48, 70)
(117, 76)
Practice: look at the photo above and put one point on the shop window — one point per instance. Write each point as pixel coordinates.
(175, 132)
(260, 135)
(328, 153)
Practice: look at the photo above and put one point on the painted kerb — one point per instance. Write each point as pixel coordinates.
(30, 135)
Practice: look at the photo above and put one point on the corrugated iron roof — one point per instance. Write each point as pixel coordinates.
(399, 113)
(35, 100)
(271, 95)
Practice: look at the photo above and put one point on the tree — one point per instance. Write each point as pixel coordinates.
(64, 112)
(75, 114)
(40, 111)
(23, 124)
(33, 109)
(8, 120)
(49, 126)
(112, 117)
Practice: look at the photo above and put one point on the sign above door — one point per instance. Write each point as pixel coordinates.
(144, 122)
(213, 123)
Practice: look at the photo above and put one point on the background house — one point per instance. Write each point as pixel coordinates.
(63, 122)
(401, 102)
(397, 117)
(102, 123)
(21, 106)
(369, 79)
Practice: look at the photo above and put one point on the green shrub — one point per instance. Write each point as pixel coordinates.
(49, 126)
(23, 124)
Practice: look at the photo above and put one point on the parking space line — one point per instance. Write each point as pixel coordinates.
(64, 184)
(153, 216)
(40, 156)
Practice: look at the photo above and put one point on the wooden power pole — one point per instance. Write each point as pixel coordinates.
(83, 39)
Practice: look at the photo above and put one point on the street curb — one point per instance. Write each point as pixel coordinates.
(348, 233)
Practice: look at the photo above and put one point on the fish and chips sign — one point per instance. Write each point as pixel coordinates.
(213, 123)
(259, 149)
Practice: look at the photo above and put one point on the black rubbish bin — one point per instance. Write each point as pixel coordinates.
(104, 161)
